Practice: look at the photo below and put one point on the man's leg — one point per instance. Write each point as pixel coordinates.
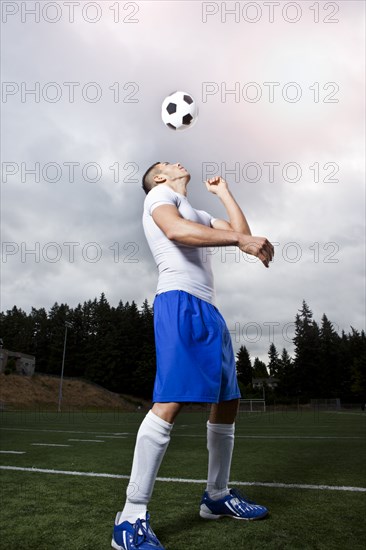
(220, 445)
(224, 412)
(218, 500)
(151, 443)
(167, 411)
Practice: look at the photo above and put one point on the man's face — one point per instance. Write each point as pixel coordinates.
(174, 171)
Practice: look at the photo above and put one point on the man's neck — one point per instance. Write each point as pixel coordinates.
(178, 187)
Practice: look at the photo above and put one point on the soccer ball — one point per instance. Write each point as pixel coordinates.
(179, 111)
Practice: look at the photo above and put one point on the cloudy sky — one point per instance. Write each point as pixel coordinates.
(82, 88)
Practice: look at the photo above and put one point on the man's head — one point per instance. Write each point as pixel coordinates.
(173, 175)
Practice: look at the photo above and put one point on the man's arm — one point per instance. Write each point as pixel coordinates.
(238, 222)
(177, 228)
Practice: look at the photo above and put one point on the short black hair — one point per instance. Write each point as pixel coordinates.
(147, 183)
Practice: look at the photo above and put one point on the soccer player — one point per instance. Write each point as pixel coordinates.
(194, 355)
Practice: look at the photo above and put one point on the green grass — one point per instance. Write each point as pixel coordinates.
(45, 511)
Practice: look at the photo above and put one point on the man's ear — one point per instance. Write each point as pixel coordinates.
(159, 178)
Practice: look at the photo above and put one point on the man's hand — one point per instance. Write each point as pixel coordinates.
(216, 185)
(257, 246)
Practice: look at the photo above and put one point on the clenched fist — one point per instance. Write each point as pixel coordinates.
(216, 185)
(257, 246)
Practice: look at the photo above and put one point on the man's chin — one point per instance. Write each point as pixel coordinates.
(185, 176)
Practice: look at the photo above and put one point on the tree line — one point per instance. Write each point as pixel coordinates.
(114, 347)
(325, 365)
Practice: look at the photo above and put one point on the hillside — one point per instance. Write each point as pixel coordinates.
(42, 391)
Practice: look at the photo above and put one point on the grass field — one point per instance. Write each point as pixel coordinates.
(305, 467)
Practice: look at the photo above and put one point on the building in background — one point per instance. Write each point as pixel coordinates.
(15, 361)
(270, 382)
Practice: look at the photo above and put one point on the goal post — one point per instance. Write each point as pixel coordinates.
(252, 405)
(326, 404)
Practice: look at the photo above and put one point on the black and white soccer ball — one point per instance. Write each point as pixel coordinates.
(179, 111)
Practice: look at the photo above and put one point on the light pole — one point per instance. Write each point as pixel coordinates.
(67, 325)
(264, 397)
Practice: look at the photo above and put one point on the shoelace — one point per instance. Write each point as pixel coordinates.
(146, 533)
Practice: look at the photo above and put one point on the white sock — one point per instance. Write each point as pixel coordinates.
(220, 445)
(151, 443)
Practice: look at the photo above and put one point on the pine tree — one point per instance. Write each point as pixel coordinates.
(17, 330)
(259, 369)
(307, 355)
(40, 340)
(274, 361)
(357, 353)
(102, 360)
(77, 342)
(285, 362)
(243, 366)
(286, 376)
(329, 359)
(358, 378)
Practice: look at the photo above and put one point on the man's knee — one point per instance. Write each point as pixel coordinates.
(224, 412)
(167, 411)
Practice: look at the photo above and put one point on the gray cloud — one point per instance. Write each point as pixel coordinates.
(170, 48)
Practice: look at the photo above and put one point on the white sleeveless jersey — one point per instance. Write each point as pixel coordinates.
(180, 267)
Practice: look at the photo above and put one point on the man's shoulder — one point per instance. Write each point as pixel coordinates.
(161, 188)
(160, 192)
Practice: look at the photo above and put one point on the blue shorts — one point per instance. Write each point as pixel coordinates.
(194, 355)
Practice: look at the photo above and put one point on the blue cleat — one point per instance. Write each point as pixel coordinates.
(233, 505)
(139, 535)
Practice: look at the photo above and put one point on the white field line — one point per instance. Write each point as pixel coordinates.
(88, 440)
(277, 436)
(104, 434)
(50, 445)
(345, 412)
(182, 480)
(13, 452)
(117, 435)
